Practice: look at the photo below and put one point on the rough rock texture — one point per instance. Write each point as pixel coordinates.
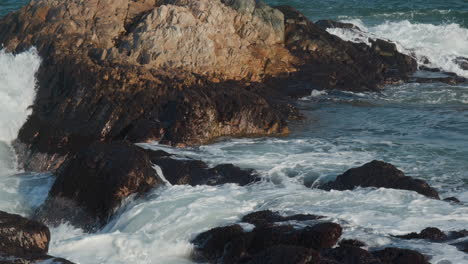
(329, 62)
(24, 241)
(96, 181)
(381, 175)
(462, 246)
(286, 255)
(267, 217)
(20, 236)
(265, 244)
(271, 243)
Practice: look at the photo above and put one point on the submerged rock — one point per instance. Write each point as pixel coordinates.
(430, 233)
(267, 217)
(381, 175)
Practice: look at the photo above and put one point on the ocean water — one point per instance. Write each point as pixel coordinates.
(421, 128)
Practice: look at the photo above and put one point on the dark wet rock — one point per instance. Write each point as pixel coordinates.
(398, 256)
(233, 245)
(395, 62)
(45, 259)
(196, 172)
(326, 24)
(430, 233)
(286, 255)
(351, 243)
(332, 63)
(96, 181)
(350, 255)
(381, 175)
(24, 241)
(452, 200)
(462, 246)
(22, 237)
(457, 234)
(222, 244)
(267, 217)
(429, 69)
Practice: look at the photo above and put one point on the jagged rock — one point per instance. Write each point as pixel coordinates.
(286, 255)
(24, 241)
(326, 24)
(398, 256)
(430, 233)
(267, 217)
(395, 62)
(22, 237)
(332, 63)
(381, 175)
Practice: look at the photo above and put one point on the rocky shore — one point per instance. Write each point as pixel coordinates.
(186, 73)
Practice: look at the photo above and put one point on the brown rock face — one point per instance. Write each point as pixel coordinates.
(22, 237)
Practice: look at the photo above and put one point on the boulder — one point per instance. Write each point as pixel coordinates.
(92, 184)
(381, 175)
(462, 62)
(196, 172)
(22, 237)
(24, 241)
(430, 233)
(351, 243)
(264, 244)
(267, 217)
(398, 256)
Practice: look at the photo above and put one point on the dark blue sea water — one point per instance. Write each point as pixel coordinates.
(421, 128)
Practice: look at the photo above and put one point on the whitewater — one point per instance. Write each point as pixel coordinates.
(420, 128)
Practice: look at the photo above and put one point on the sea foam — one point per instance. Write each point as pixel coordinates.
(441, 44)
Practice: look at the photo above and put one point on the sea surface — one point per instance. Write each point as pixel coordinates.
(421, 128)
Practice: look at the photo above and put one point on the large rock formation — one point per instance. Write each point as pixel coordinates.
(185, 72)
(24, 241)
(381, 175)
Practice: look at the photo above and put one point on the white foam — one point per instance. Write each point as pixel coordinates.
(441, 44)
(17, 90)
